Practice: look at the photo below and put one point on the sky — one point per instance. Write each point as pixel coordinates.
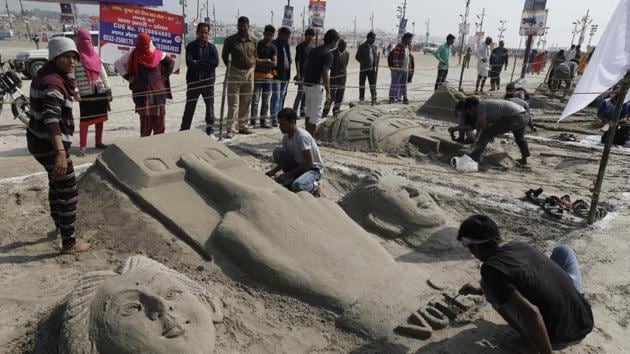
(443, 15)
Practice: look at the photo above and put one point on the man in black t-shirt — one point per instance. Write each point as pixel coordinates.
(267, 54)
(301, 53)
(541, 298)
(317, 79)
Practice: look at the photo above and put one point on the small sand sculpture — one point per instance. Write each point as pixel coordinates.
(391, 207)
(441, 104)
(145, 307)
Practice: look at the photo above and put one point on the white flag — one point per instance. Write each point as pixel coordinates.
(609, 63)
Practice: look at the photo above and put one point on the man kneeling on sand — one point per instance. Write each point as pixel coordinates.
(298, 157)
(541, 298)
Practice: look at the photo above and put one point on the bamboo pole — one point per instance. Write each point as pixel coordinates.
(225, 85)
(621, 95)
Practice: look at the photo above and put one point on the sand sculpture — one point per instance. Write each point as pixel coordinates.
(145, 307)
(391, 207)
(441, 104)
(295, 243)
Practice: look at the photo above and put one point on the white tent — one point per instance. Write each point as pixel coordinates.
(609, 64)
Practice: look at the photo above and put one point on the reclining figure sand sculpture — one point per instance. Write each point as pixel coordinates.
(295, 243)
(144, 308)
(391, 207)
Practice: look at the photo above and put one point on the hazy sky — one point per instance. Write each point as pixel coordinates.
(443, 14)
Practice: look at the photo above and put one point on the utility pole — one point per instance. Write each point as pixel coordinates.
(575, 31)
(372, 22)
(28, 29)
(214, 20)
(183, 2)
(9, 14)
(198, 12)
(593, 31)
(483, 14)
(303, 18)
(428, 23)
(463, 31)
(413, 28)
(272, 17)
(502, 29)
(402, 11)
(586, 20)
(528, 48)
(355, 31)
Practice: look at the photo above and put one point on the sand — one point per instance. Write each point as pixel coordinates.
(260, 318)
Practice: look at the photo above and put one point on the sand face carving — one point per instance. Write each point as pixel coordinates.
(391, 207)
(295, 243)
(146, 308)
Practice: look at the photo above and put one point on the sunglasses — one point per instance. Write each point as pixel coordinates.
(465, 241)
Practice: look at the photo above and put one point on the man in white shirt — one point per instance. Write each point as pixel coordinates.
(483, 63)
(298, 157)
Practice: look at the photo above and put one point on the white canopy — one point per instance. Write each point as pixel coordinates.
(609, 64)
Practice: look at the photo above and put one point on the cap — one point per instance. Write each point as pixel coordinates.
(60, 45)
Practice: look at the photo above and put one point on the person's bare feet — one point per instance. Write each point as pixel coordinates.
(78, 247)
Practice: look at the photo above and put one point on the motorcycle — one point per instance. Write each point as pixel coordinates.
(10, 84)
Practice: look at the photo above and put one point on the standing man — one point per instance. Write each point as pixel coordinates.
(283, 73)
(301, 53)
(498, 60)
(541, 298)
(267, 55)
(298, 157)
(317, 79)
(202, 58)
(338, 74)
(442, 55)
(496, 117)
(400, 60)
(367, 57)
(49, 136)
(483, 65)
(239, 50)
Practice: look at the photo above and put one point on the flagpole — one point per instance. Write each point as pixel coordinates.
(612, 129)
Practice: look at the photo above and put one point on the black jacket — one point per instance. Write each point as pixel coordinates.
(283, 73)
(200, 67)
(363, 55)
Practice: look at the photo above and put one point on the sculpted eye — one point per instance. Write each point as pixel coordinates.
(131, 309)
(172, 294)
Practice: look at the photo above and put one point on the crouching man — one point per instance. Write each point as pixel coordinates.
(298, 157)
(541, 298)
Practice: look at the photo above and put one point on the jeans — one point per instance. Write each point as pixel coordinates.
(563, 256)
(515, 124)
(398, 86)
(300, 100)
(192, 95)
(338, 89)
(304, 182)
(441, 77)
(278, 94)
(262, 87)
(371, 77)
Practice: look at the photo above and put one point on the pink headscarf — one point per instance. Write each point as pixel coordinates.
(89, 58)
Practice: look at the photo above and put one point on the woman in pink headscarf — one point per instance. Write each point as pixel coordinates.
(94, 90)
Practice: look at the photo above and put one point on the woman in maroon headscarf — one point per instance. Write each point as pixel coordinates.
(94, 90)
(147, 70)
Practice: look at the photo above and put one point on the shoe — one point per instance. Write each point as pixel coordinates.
(302, 114)
(405, 101)
(229, 134)
(264, 125)
(274, 123)
(81, 152)
(245, 131)
(212, 136)
(101, 146)
(252, 123)
(317, 193)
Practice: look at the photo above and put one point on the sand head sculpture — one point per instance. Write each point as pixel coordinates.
(144, 308)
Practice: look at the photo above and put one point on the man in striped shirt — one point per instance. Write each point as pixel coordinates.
(49, 136)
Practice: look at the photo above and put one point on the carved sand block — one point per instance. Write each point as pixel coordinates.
(392, 207)
(441, 104)
(145, 307)
(295, 243)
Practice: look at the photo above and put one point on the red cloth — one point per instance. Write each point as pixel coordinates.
(152, 124)
(83, 132)
(144, 54)
(89, 58)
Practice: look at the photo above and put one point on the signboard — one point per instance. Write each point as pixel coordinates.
(464, 28)
(317, 11)
(533, 23)
(287, 19)
(67, 18)
(535, 4)
(121, 24)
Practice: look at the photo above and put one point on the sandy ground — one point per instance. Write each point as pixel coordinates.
(34, 279)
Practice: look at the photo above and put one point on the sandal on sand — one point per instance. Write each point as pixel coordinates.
(77, 247)
(228, 135)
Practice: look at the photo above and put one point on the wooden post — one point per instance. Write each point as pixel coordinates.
(516, 56)
(461, 76)
(612, 128)
(225, 85)
(528, 47)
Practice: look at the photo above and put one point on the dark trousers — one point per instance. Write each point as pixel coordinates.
(63, 195)
(515, 124)
(371, 77)
(300, 100)
(337, 90)
(192, 95)
(482, 80)
(441, 77)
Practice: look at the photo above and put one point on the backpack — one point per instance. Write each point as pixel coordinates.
(621, 135)
(390, 59)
